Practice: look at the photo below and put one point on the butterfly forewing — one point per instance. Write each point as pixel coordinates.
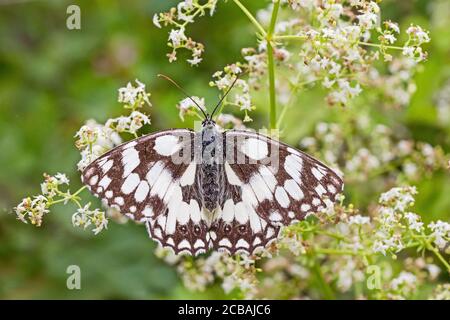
(151, 179)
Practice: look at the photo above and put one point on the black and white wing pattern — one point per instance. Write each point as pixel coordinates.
(151, 180)
(264, 185)
(269, 185)
(237, 227)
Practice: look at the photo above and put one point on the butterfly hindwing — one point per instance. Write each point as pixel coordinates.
(182, 227)
(237, 227)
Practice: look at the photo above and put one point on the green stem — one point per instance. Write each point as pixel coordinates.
(290, 102)
(440, 257)
(271, 67)
(331, 234)
(251, 17)
(326, 289)
(362, 43)
(273, 103)
(66, 198)
(78, 191)
(289, 37)
(368, 44)
(337, 252)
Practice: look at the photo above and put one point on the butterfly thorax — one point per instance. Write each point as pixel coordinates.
(210, 173)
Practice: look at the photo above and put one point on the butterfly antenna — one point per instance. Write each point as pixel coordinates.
(223, 97)
(185, 93)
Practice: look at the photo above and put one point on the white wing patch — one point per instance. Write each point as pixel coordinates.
(255, 149)
(167, 145)
(231, 176)
(188, 177)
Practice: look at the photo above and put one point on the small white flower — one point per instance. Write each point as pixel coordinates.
(441, 233)
(130, 94)
(418, 34)
(358, 220)
(393, 26)
(246, 261)
(229, 283)
(177, 36)
(187, 104)
(404, 279)
(62, 178)
(408, 51)
(156, 20)
(414, 221)
(327, 83)
(223, 83)
(84, 217)
(137, 121)
(194, 61)
(368, 19)
(390, 38)
(308, 142)
(282, 54)
(243, 101)
(433, 270)
(328, 33)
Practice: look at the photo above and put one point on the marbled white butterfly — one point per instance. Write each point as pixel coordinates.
(227, 191)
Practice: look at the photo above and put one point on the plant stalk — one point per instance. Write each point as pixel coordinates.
(251, 17)
(271, 67)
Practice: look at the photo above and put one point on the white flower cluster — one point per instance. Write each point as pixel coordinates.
(371, 150)
(188, 107)
(292, 242)
(393, 207)
(440, 233)
(85, 217)
(334, 51)
(134, 96)
(347, 273)
(236, 273)
(34, 208)
(131, 124)
(334, 248)
(94, 139)
(225, 120)
(417, 37)
(442, 292)
(405, 283)
(50, 186)
(240, 97)
(178, 18)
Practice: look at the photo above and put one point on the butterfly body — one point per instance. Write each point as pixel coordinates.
(211, 164)
(228, 191)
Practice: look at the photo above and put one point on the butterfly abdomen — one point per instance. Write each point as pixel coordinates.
(210, 167)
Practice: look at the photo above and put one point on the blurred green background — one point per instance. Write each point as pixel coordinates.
(53, 79)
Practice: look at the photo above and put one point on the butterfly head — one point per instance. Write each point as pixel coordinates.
(208, 122)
